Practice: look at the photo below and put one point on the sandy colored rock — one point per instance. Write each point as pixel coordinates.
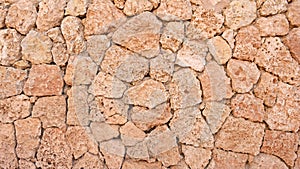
(293, 12)
(24, 164)
(217, 6)
(297, 162)
(10, 41)
(3, 13)
(114, 152)
(88, 161)
(85, 70)
(281, 144)
(131, 135)
(276, 59)
(72, 30)
(119, 3)
(172, 36)
(229, 36)
(76, 7)
(243, 75)
(292, 41)
(215, 114)
(227, 160)
(276, 25)
(149, 93)
(138, 151)
(180, 165)
(36, 48)
(131, 164)
(60, 54)
(170, 157)
(102, 131)
(50, 14)
(8, 143)
(44, 80)
(51, 111)
(11, 81)
(220, 49)
(162, 67)
(54, 151)
(28, 132)
(184, 89)
(192, 54)
(169, 10)
(267, 161)
(239, 135)
(248, 107)
(21, 16)
(196, 157)
(240, 13)
(21, 64)
(248, 41)
(102, 17)
(96, 47)
(271, 7)
(55, 35)
(134, 7)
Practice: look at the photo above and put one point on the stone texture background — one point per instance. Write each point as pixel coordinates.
(149, 84)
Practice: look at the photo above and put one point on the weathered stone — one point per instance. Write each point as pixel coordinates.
(274, 57)
(149, 93)
(36, 48)
(76, 7)
(102, 131)
(54, 151)
(51, 111)
(205, 24)
(119, 3)
(248, 106)
(162, 67)
(85, 70)
(132, 164)
(140, 34)
(170, 157)
(239, 135)
(24, 164)
(21, 16)
(184, 89)
(217, 6)
(172, 36)
(169, 10)
(293, 12)
(215, 84)
(138, 151)
(102, 17)
(215, 114)
(50, 14)
(248, 41)
(8, 158)
(243, 75)
(146, 119)
(88, 161)
(11, 81)
(56, 35)
(273, 25)
(227, 160)
(192, 54)
(28, 132)
(220, 49)
(44, 80)
(72, 30)
(196, 157)
(60, 54)
(297, 162)
(292, 41)
(229, 36)
(10, 41)
(21, 64)
(133, 7)
(267, 161)
(96, 47)
(271, 7)
(131, 135)
(281, 144)
(180, 165)
(114, 152)
(3, 13)
(240, 13)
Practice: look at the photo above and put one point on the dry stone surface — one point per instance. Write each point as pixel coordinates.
(227, 160)
(169, 10)
(273, 25)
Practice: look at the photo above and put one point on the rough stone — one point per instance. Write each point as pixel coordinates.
(169, 10)
(21, 64)
(134, 7)
(85, 70)
(196, 157)
(96, 47)
(162, 67)
(102, 131)
(36, 48)
(28, 132)
(293, 12)
(131, 135)
(267, 161)
(243, 75)
(119, 3)
(281, 144)
(180, 165)
(229, 36)
(21, 16)
(292, 41)
(10, 45)
(88, 161)
(132, 164)
(44, 80)
(60, 54)
(50, 14)
(172, 36)
(239, 135)
(114, 152)
(170, 157)
(3, 13)
(140, 34)
(138, 151)
(11, 81)
(297, 162)
(227, 160)
(8, 143)
(76, 7)
(24, 164)
(217, 6)
(55, 35)
(184, 89)
(192, 54)
(271, 7)
(276, 25)
(220, 49)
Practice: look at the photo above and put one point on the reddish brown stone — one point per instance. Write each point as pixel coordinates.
(293, 12)
(8, 158)
(273, 25)
(174, 10)
(293, 41)
(89, 161)
(196, 157)
(227, 160)
(267, 161)
(131, 164)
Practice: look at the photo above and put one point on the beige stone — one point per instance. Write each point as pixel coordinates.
(172, 36)
(248, 41)
(55, 35)
(293, 12)
(281, 144)
(271, 7)
(10, 41)
(60, 54)
(131, 164)
(243, 75)
(89, 161)
(102, 131)
(240, 13)
(36, 48)
(149, 93)
(50, 14)
(8, 143)
(21, 64)
(11, 81)
(131, 135)
(138, 151)
(102, 17)
(21, 16)
(134, 7)
(97, 46)
(227, 160)
(3, 13)
(119, 3)
(85, 70)
(72, 30)
(239, 135)
(174, 10)
(180, 165)
(273, 25)
(292, 41)
(76, 7)
(14, 108)
(28, 132)
(229, 36)
(24, 164)
(184, 89)
(170, 157)
(54, 151)
(267, 161)
(196, 157)
(162, 67)
(215, 5)
(192, 54)
(297, 162)
(44, 80)
(114, 152)
(220, 49)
